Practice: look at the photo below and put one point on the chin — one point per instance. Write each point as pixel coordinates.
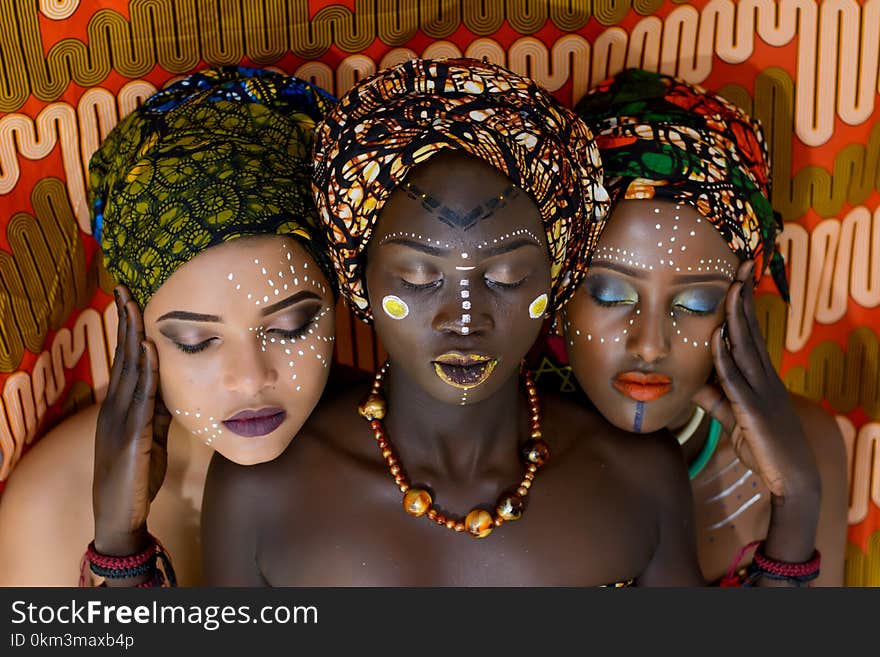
(254, 456)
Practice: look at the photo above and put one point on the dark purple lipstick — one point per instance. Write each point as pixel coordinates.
(256, 423)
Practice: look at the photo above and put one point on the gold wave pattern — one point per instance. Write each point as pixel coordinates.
(863, 568)
(683, 43)
(835, 264)
(855, 172)
(847, 378)
(863, 459)
(27, 396)
(43, 278)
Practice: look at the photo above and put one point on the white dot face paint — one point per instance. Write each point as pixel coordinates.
(649, 305)
(395, 307)
(222, 325)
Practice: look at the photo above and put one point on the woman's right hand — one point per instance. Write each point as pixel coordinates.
(130, 438)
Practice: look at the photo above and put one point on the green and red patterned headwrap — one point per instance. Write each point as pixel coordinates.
(223, 153)
(663, 138)
(404, 115)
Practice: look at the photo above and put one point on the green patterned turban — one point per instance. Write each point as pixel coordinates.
(664, 138)
(221, 154)
(404, 115)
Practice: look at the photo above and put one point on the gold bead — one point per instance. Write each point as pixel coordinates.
(459, 527)
(531, 467)
(417, 502)
(510, 507)
(386, 453)
(404, 487)
(522, 491)
(525, 483)
(529, 476)
(395, 469)
(450, 524)
(536, 434)
(479, 523)
(373, 407)
(498, 521)
(537, 452)
(432, 514)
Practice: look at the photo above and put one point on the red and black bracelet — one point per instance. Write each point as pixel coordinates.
(798, 574)
(142, 563)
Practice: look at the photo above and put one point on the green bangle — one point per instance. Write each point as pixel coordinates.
(708, 449)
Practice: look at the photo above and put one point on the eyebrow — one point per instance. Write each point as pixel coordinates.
(418, 246)
(679, 278)
(510, 246)
(486, 253)
(302, 295)
(268, 310)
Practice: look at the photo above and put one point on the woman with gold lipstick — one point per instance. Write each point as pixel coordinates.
(674, 271)
(460, 201)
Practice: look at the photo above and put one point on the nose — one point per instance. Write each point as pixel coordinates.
(250, 369)
(649, 334)
(462, 310)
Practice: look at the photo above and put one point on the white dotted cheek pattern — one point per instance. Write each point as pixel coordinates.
(207, 429)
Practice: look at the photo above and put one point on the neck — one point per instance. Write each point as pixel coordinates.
(697, 441)
(460, 441)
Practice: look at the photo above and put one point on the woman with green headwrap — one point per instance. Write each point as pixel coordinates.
(200, 203)
(663, 332)
(460, 201)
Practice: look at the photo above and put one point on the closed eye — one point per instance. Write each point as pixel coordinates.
(193, 348)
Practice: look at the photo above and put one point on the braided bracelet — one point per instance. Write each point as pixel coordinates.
(798, 574)
(142, 563)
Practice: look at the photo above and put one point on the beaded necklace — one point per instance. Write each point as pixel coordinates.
(479, 523)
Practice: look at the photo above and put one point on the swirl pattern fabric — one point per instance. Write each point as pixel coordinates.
(221, 154)
(404, 115)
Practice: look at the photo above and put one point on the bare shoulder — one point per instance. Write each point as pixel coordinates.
(61, 458)
(46, 507)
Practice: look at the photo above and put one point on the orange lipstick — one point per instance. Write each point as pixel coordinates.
(642, 386)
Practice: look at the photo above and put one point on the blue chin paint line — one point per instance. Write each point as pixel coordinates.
(637, 420)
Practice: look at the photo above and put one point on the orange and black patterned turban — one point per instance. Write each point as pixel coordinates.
(663, 138)
(223, 153)
(402, 116)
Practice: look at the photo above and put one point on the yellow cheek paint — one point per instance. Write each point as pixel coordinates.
(395, 307)
(538, 306)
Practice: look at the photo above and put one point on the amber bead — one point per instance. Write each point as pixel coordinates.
(432, 514)
(537, 452)
(479, 523)
(373, 407)
(450, 523)
(417, 501)
(459, 527)
(510, 507)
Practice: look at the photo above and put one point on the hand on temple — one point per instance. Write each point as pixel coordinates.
(130, 439)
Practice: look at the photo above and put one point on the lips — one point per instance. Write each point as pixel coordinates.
(642, 386)
(464, 370)
(251, 423)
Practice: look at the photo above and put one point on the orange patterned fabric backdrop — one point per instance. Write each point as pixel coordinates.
(808, 69)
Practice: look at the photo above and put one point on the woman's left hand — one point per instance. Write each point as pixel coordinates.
(752, 404)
